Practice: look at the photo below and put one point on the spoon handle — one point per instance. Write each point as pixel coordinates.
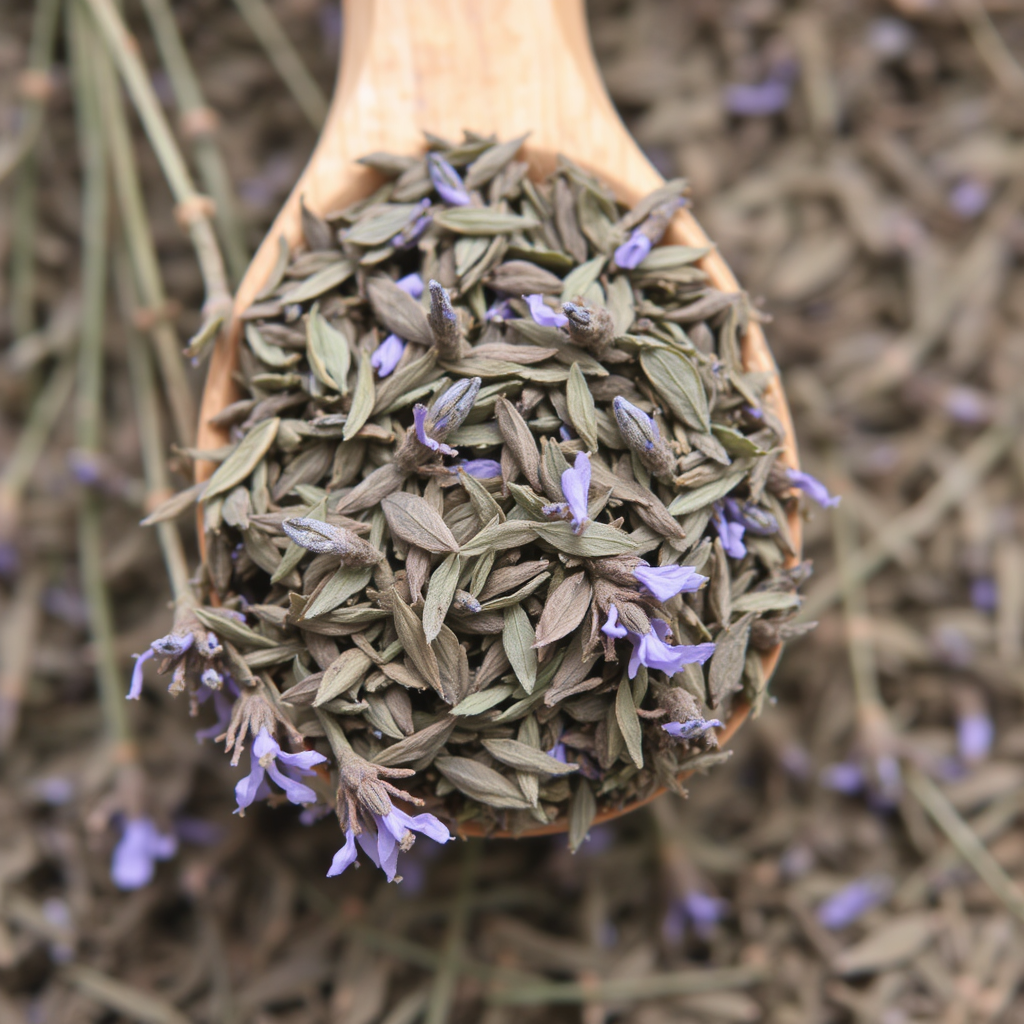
(503, 67)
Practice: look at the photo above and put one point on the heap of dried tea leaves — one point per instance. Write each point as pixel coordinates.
(502, 514)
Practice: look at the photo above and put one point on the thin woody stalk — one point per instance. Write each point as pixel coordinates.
(193, 209)
(285, 58)
(139, 237)
(198, 123)
(35, 86)
(89, 394)
(151, 442)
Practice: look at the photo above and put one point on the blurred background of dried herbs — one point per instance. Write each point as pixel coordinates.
(859, 165)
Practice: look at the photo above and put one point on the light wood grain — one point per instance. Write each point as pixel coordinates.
(410, 66)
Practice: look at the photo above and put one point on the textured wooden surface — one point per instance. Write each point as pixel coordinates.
(410, 66)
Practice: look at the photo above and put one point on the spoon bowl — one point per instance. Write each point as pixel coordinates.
(439, 66)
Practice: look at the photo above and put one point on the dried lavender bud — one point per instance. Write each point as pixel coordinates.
(444, 323)
(592, 329)
(641, 433)
(325, 539)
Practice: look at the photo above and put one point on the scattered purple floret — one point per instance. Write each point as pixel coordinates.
(135, 856)
(263, 758)
(975, 733)
(634, 251)
(482, 469)
(412, 284)
(651, 650)
(664, 582)
(543, 314)
(576, 489)
(393, 835)
(447, 181)
(135, 688)
(841, 909)
(763, 100)
(387, 356)
(813, 488)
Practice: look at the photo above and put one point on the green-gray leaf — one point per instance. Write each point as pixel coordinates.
(362, 400)
(678, 383)
(582, 411)
(525, 758)
(243, 460)
(518, 638)
(444, 581)
(482, 783)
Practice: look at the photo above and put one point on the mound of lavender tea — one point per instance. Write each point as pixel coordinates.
(501, 529)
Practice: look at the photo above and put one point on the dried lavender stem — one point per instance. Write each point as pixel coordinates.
(863, 666)
(46, 408)
(285, 58)
(151, 443)
(966, 841)
(949, 491)
(442, 994)
(192, 206)
(19, 635)
(139, 236)
(89, 395)
(199, 124)
(990, 45)
(636, 989)
(22, 157)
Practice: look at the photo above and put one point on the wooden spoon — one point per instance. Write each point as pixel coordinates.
(410, 66)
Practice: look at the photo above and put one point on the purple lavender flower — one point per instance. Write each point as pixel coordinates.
(222, 706)
(9, 560)
(650, 649)
(813, 488)
(445, 415)
(634, 251)
(730, 530)
(501, 308)
(558, 752)
(263, 757)
(410, 235)
(882, 780)
(482, 469)
(692, 729)
(968, 405)
(969, 198)
(542, 314)
(763, 100)
(889, 38)
(419, 417)
(394, 835)
(853, 901)
(696, 909)
(135, 687)
(845, 777)
(984, 595)
(387, 355)
(447, 181)
(974, 735)
(665, 581)
(412, 284)
(755, 520)
(135, 856)
(575, 489)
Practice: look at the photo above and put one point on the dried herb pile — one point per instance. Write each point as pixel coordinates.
(449, 510)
